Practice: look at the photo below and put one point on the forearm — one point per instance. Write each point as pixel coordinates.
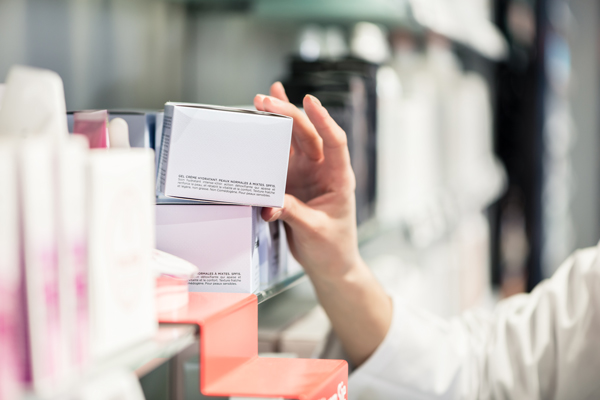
(359, 310)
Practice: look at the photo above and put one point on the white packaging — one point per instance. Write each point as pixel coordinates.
(142, 126)
(12, 313)
(120, 244)
(220, 240)
(158, 130)
(33, 110)
(224, 154)
(37, 198)
(34, 104)
(278, 252)
(265, 248)
(71, 168)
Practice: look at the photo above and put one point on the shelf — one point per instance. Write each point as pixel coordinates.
(169, 341)
(139, 358)
(281, 286)
(457, 21)
(392, 13)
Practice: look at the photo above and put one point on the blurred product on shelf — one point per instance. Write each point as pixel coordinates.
(118, 134)
(12, 313)
(82, 287)
(71, 172)
(121, 238)
(278, 253)
(169, 265)
(158, 130)
(94, 126)
(419, 130)
(142, 126)
(238, 246)
(347, 88)
(33, 114)
(173, 274)
(224, 155)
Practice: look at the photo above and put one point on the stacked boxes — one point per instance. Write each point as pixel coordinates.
(211, 156)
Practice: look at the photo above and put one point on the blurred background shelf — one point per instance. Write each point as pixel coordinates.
(455, 20)
(140, 358)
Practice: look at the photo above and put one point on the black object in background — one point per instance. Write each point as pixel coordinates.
(347, 88)
(519, 139)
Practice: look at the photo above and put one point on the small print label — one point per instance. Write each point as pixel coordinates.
(217, 279)
(231, 186)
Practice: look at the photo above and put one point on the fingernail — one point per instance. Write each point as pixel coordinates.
(314, 100)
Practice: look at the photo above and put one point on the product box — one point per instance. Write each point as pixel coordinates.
(38, 210)
(94, 126)
(71, 172)
(12, 314)
(158, 129)
(120, 244)
(221, 240)
(224, 155)
(142, 125)
(278, 251)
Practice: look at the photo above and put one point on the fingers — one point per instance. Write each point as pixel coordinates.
(306, 138)
(258, 102)
(278, 91)
(294, 212)
(335, 143)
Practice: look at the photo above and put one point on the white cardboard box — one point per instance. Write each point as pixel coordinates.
(224, 154)
(221, 240)
(71, 162)
(121, 240)
(12, 311)
(37, 201)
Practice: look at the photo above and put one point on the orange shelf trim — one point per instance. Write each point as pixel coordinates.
(229, 361)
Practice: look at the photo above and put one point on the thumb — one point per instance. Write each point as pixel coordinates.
(294, 212)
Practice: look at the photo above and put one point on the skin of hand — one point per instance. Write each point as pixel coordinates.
(320, 217)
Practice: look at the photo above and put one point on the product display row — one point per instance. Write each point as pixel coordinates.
(81, 278)
(77, 242)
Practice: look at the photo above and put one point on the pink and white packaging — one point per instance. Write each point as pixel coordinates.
(32, 113)
(120, 243)
(224, 155)
(12, 313)
(94, 126)
(71, 172)
(220, 240)
(38, 209)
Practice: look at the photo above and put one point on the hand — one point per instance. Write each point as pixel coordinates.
(320, 216)
(319, 208)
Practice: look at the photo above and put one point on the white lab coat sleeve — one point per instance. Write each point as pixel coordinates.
(541, 345)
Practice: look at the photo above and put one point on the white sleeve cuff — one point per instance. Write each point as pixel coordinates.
(419, 356)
